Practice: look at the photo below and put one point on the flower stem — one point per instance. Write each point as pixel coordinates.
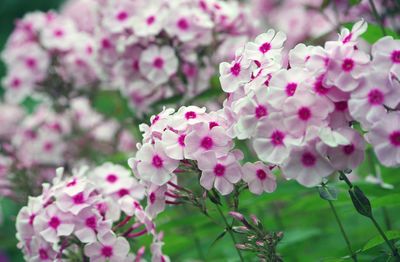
(229, 229)
(353, 255)
(377, 17)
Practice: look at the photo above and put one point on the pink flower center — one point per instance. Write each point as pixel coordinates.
(91, 222)
(107, 251)
(157, 161)
(265, 47)
(150, 20)
(78, 198)
(375, 97)
(112, 178)
(152, 197)
(155, 119)
(190, 115)
(183, 24)
(395, 138)
(54, 222)
(105, 43)
(277, 138)
(308, 159)
(58, 33)
(219, 170)
(123, 192)
(396, 56)
(348, 65)
(207, 143)
(122, 16)
(261, 174)
(348, 149)
(43, 254)
(72, 183)
(158, 63)
(212, 124)
(235, 69)
(181, 140)
(320, 89)
(15, 83)
(31, 62)
(341, 106)
(291, 89)
(48, 146)
(31, 219)
(260, 111)
(304, 113)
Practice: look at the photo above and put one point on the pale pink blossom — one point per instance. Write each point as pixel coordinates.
(259, 178)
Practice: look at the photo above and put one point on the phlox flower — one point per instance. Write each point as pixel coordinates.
(108, 248)
(259, 178)
(386, 54)
(88, 224)
(234, 74)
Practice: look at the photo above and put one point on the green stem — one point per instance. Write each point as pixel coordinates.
(388, 242)
(353, 255)
(229, 229)
(377, 17)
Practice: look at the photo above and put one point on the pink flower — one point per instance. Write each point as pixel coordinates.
(156, 200)
(108, 248)
(88, 224)
(386, 55)
(203, 139)
(306, 166)
(221, 173)
(174, 144)
(150, 20)
(53, 223)
(259, 178)
(158, 64)
(26, 217)
(234, 74)
(154, 165)
(42, 250)
(385, 139)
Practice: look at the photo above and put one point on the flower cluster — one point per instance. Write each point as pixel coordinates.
(305, 19)
(91, 214)
(148, 51)
(302, 116)
(32, 146)
(191, 141)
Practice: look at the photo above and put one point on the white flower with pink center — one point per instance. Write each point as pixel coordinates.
(306, 166)
(385, 139)
(386, 54)
(88, 224)
(174, 144)
(367, 102)
(19, 85)
(158, 64)
(186, 116)
(259, 178)
(351, 37)
(221, 173)
(156, 200)
(202, 139)
(118, 15)
(346, 66)
(154, 165)
(42, 251)
(53, 223)
(59, 34)
(150, 20)
(350, 155)
(305, 109)
(234, 74)
(26, 217)
(266, 47)
(109, 248)
(273, 142)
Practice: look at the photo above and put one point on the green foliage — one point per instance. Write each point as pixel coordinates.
(378, 240)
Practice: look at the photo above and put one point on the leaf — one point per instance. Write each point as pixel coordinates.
(214, 198)
(378, 240)
(354, 2)
(325, 4)
(328, 192)
(111, 103)
(220, 236)
(374, 32)
(360, 202)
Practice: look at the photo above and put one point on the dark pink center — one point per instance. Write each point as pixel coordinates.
(261, 174)
(157, 161)
(43, 254)
(31, 62)
(213, 124)
(152, 197)
(265, 47)
(58, 33)
(79, 198)
(308, 159)
(320, 89)
(348, 65)
(219, 170)
(183, 24)
(181, 140)
(31, 219)
(395, 138)
(123, 192)
(291, 89)
(107, 251)
(207, 143)
(15, 83)
(348, 149)
(304, 113)
(396, 56)
(91, 222)
(260, 111)
(54, 222)
(235, 69)
(277, 138)
(190, 115)
(341, 106)
(375, 97)
(158, 63)
(150, 20)
(105, 43)
(112, 178)
(48, 146)
(122, 16)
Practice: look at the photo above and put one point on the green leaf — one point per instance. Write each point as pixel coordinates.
(220, 236)
(374, 32)
(378, 240)
(354, 2)
(360, 201)
(328, 192)
(111, 104)
(325, 4)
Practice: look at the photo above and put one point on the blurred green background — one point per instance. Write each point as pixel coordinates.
(310, 231)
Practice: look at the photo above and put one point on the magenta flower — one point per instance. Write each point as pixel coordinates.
(259, 178)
